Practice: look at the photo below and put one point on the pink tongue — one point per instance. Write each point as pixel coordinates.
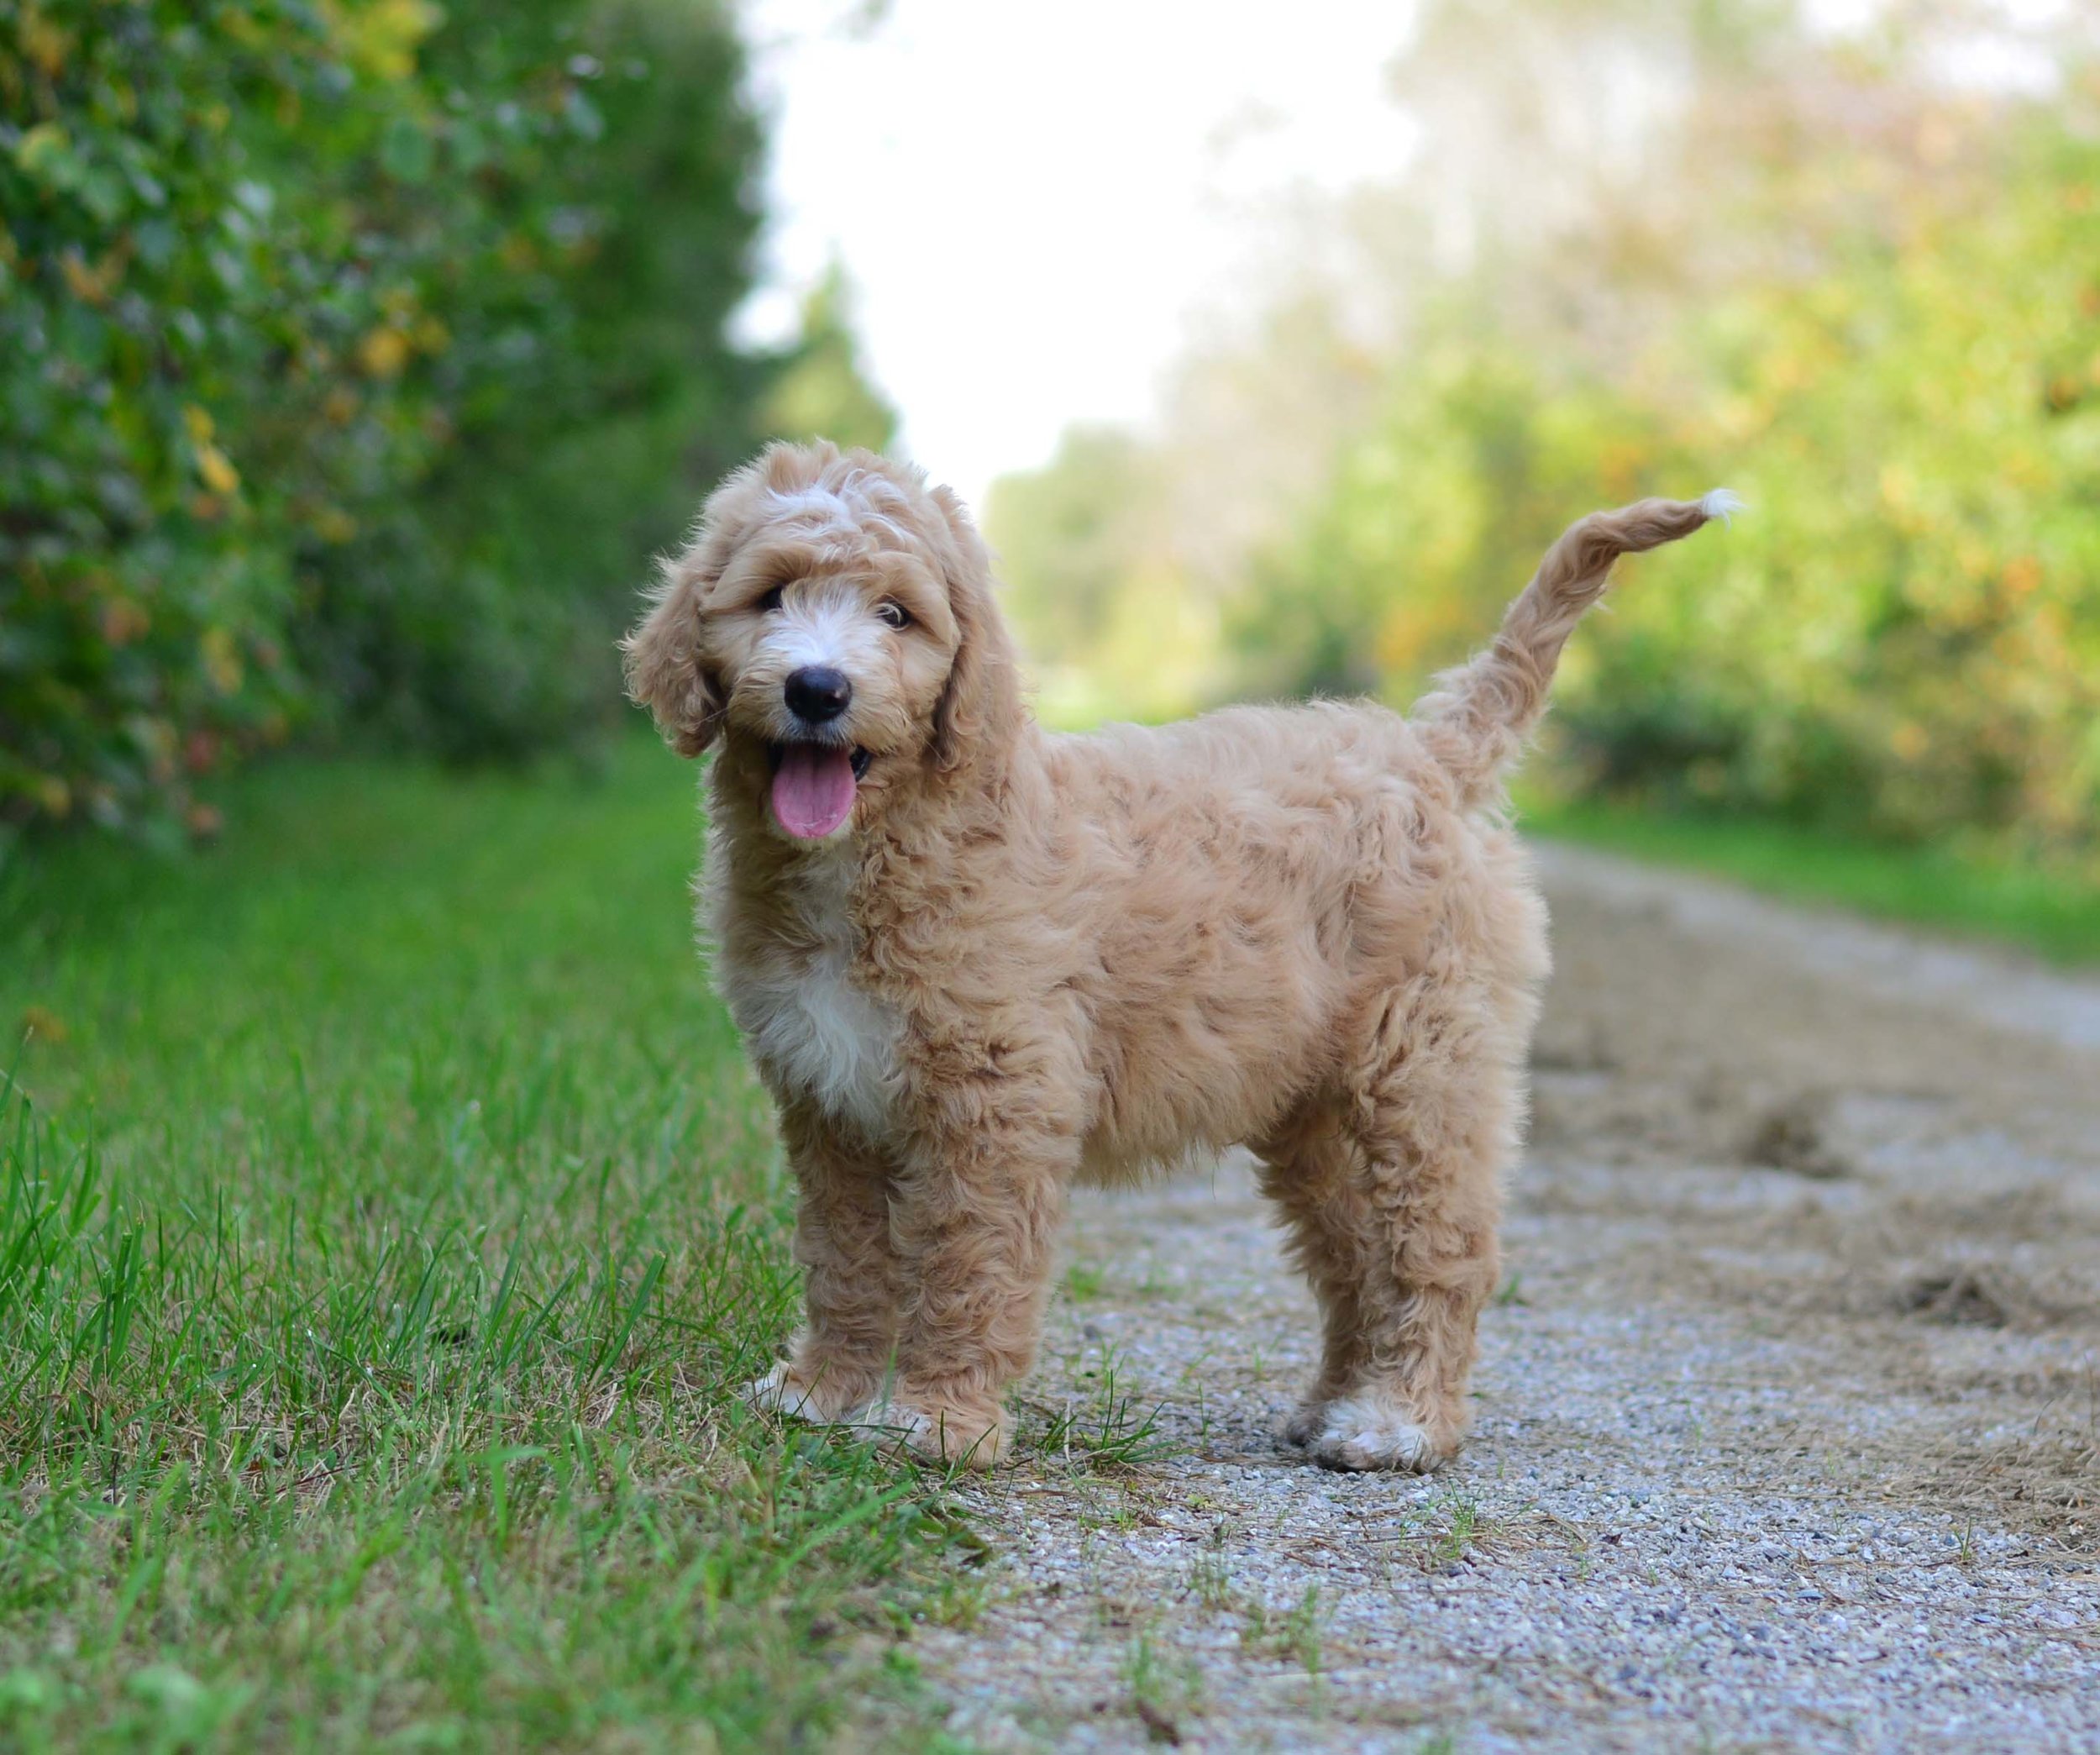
(813, 792)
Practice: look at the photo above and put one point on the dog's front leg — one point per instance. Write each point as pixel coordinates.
(839, 1361)
(976, 1222)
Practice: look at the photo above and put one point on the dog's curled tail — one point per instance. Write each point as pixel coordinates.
(1475, 719)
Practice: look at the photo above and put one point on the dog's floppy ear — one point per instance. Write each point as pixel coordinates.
(982, 696)
(663, 668)
(664, 671)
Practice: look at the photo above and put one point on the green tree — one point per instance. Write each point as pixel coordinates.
(1817, 272)
(1900, 639)
(352, 360)
(820, 388)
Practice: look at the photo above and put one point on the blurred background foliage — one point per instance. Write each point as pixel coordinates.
(1649, 248)
(353, 356)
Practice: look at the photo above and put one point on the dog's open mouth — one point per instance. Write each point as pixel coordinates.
(814, 785)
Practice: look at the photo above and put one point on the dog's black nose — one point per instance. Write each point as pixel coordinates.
(817, 692)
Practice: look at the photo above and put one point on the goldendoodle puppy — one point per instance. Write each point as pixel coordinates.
(974, 960)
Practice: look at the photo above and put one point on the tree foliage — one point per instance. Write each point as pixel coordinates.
(1865, 296)
(1904, 635)
(819, 389)
(353, 356)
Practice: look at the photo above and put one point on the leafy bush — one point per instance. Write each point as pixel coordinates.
(1860, 290)
(1903, 637)
(353, 356)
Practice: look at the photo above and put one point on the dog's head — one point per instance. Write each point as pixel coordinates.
(832, 621)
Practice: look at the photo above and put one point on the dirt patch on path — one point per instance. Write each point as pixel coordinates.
(1787, 1416)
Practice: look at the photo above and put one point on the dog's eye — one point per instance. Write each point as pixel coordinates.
(771, 600)
(893, 612)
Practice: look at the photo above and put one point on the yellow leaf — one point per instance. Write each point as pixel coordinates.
(220, 475)
(222, 659)
(84, 283)
(382, 36)
(45, 44)
(383, 353)
(199, 421)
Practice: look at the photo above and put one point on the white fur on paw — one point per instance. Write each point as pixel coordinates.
(897, 1421)
(931, 1436)
(1360, 1434)
(779, 1392)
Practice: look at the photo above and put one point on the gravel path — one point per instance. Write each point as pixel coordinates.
(1788, 1414)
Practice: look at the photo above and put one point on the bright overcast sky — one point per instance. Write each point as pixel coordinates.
(1033, 201)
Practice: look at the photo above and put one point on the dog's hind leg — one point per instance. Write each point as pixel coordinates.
(1311, 1170)
(1429, 1123)
(852, 1289)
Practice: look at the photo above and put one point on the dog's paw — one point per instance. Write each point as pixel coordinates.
(783, 1391)
(1304, 1426)
(972, 1438)
(1357, 1433)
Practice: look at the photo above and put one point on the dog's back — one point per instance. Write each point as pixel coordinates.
(1239, 889)
(1250, 877)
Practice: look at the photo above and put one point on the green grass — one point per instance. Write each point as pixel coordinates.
(384, 1212)
(2053, 916)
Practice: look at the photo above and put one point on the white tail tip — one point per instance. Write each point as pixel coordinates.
(1723, 503)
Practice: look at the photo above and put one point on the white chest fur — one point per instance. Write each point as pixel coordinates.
(810, 1028)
